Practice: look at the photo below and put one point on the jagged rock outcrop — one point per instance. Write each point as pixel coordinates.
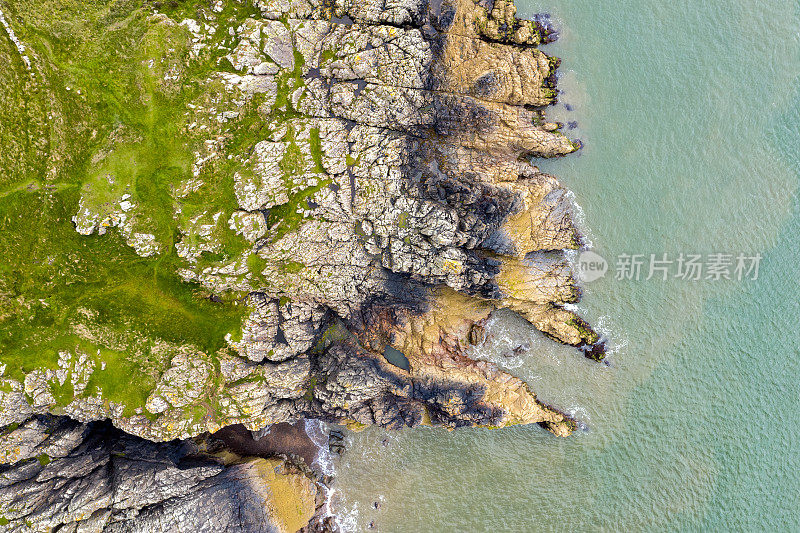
(360, 178)
(60, 475)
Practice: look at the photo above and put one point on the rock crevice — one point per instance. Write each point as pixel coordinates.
(373, 161)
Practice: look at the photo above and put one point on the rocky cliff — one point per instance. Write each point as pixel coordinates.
(250, 212)
(70, 477)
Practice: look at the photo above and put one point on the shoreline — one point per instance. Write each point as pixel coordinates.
(385, 204)
(436, 248)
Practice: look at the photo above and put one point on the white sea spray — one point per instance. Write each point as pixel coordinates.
(579, 219)
(318, 432)
(346, 520)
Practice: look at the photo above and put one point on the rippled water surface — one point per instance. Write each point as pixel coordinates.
(690, 113)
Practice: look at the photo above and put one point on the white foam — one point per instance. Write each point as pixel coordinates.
(607, 331)
(579, 218)
(317, 432)
(347, 520)
(499, 345)
(580, 415)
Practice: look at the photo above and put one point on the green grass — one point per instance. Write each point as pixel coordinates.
(95, 80)
(291, 267)
(255, 263)
(316, 151)
(309, 394)
(141, 300)
(103, 115)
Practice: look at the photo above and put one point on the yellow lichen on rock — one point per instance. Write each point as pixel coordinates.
(289, 496)
(435, 343)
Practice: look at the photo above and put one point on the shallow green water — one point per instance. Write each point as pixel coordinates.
(690, 113)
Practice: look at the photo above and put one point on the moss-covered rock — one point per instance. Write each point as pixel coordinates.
(192, 194)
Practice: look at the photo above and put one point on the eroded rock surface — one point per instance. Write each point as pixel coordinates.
(376, 153)
(61, 475)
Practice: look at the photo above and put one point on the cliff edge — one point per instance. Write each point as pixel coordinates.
(253, 212)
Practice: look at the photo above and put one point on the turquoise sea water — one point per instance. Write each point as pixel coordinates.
(690, 114)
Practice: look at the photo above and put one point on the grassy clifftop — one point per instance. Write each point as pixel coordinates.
(99, 119)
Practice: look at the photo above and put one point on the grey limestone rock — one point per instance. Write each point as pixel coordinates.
(384, 196)
(386, 203)
(92, 477)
